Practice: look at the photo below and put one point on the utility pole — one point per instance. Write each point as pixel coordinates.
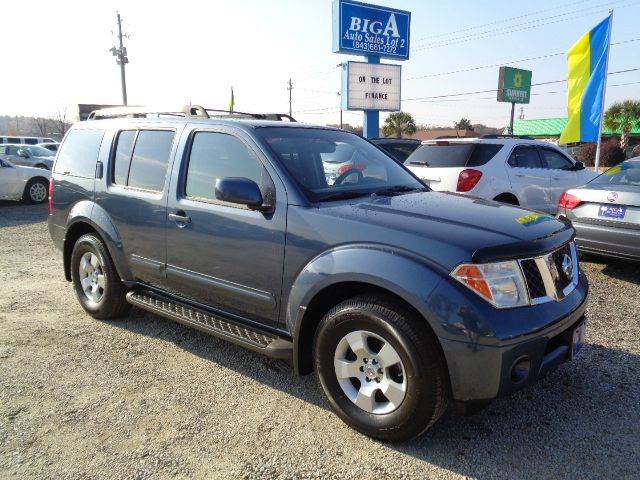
(121, 59)
(339, 95)
(521, 116)
(290, 87)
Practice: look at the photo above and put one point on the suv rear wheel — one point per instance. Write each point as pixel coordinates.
(97, 284)
(380, 368)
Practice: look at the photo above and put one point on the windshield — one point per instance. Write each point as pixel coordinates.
(627, 173)
(39, 151)
(330, 164)
(453, 154)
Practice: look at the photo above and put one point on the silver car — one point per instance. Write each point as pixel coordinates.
(606, 212)
(28, 155)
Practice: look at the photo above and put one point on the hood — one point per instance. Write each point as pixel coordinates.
(454, 227)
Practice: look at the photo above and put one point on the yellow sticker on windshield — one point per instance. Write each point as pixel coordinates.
(533, 219)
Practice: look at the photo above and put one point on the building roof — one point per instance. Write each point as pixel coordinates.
(550, 127)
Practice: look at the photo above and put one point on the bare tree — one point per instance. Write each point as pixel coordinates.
(42, 125)
(60, 123)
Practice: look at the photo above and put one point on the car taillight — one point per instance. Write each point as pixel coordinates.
(569, 201)
(468, 179)
(50, 195)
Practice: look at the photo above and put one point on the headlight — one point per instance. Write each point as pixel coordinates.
(501, 284)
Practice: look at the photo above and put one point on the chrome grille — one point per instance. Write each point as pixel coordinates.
(552, 276)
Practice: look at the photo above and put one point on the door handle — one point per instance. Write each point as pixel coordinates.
(180, 217)
(520, 175)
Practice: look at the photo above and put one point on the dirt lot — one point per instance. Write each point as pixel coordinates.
(143, 397)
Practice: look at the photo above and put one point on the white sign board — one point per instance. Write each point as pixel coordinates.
(370, 86)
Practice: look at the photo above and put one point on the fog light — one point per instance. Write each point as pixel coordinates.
(520, 370)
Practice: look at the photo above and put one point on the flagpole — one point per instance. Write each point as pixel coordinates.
(604, 93)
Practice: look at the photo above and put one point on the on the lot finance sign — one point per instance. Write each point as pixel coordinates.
(514, 85)
(370, 86)
(362, 29)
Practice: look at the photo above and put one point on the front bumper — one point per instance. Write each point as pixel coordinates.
(608, 240)
(481, 365)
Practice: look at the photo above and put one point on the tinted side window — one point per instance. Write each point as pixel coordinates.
(13, 140)
(555, 160)
(79, 153)
(31, 141)
(483, 153)
(150, 158)
(122, 156)
(525, 157)
(218, 155)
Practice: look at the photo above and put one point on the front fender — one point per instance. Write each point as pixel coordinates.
(403, 273)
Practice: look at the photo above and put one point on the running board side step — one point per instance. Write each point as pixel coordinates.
(246, 336)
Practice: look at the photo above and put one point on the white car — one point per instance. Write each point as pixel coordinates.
(530, 173)
(23, 183)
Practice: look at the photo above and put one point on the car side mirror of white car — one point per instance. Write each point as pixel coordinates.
(578, 166)
(23, 153)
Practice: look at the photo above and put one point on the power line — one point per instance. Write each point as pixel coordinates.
(524, 26)
(498, 21)
(460, 94)
(493, 65)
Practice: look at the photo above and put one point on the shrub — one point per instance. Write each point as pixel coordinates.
(610, 154)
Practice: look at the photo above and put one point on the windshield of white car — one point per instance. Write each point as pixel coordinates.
(37, 151)
(627, 173)
(332, 164)
(449, 154)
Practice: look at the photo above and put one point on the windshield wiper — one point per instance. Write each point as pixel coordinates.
(342, 195)
(398, 189)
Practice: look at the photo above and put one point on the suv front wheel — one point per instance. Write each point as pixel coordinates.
(380, 368)
(95, 279)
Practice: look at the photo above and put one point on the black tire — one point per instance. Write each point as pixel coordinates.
(112, 303)
(427, 393)
(28, 196)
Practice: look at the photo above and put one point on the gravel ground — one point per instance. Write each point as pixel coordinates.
(145, 397)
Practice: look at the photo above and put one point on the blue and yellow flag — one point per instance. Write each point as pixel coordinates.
(587, 60)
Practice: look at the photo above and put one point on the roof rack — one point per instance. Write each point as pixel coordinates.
(193, 111)
(521, 137)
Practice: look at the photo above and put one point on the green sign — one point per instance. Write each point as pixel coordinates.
(514, 85)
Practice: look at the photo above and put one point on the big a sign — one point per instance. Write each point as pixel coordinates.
(362, 29)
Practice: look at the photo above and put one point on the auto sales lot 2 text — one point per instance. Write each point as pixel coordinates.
(145, 397)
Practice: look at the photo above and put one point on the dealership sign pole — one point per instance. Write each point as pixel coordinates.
(373, 32)
(514, 86)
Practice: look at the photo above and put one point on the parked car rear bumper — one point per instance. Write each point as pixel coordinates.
(607, 240)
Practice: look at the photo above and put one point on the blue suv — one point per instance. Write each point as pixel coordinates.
(404, 301)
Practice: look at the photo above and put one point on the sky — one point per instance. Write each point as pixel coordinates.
(195, 51)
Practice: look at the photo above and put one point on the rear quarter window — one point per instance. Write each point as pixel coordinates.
(79, 153)
(453, 155)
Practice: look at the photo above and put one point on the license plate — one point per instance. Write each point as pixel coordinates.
(577, 341)
(612, 211)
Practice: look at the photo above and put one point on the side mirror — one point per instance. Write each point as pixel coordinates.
(239, 190)
(578, 166)
(23, 153)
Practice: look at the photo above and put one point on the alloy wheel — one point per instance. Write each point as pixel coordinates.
(92, 280)
(370, 372)
(38, 192)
